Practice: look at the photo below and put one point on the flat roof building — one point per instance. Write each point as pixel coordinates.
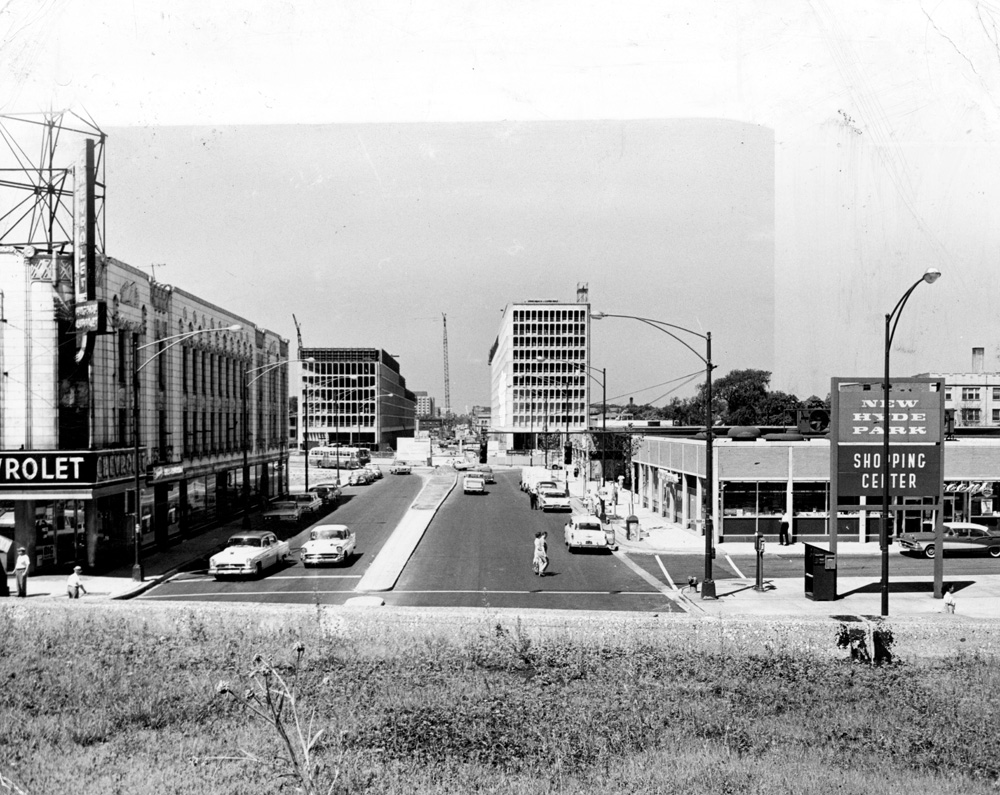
(538, 373)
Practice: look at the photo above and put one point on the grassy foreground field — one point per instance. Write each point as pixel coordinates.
(123, 698)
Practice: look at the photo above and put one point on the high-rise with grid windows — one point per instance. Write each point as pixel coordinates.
(538, 367)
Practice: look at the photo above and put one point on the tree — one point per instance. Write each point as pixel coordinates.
(778, 408)
(744, 392)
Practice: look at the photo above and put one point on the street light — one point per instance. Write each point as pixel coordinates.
(891, 321)
(708, 585)
(604, 409)
(263, 370)
(174, 339)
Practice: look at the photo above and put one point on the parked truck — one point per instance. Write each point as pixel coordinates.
(532, 476)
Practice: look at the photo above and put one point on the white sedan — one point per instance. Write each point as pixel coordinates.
(328, 543)
(587, 532)
(553, 500)
(248, 553)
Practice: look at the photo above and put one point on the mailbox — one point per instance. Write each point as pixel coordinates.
(820, 574)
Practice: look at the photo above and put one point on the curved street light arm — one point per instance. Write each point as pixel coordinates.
(177, 339)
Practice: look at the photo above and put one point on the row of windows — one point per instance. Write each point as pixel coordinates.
(342, 408)
(547, 355)
(973, 393)
(341, 421)
(555, 422)
(210, 432)
(524, 329)
(338, 368)
(975, 416)
(549, 342)
(550, 315)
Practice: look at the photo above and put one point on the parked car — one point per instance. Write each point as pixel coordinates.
(248, 553)
(473, 484)
(283, 511)
(375, 470)
(958, 537)
(308, 501)
(328, 543)
(360, 477)
(587, 532)
(328, 493)
(553, 500)
(399, 468)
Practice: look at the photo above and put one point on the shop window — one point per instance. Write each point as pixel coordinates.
(739, 499)
(809, 498)
(771, 498)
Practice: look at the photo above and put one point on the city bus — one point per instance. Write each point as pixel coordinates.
(349, 457)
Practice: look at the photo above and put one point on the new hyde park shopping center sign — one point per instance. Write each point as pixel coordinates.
(861, 415)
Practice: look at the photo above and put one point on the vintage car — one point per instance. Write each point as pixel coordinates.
(460, 464)
(328, 493)
(283, 511)
(553, 499)
(375, 470)
(309, 502)
(473, 484)
(587, 532)
(399, 468)
(957, 537)
(248, 553)
(360, 477)
(486, 472)
(328, 543)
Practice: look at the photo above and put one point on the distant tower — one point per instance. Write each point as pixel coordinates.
(582, 293)
(447, 384)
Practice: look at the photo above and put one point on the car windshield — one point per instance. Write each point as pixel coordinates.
(552, 493)
(281, 506)
(243, 541)
(322, 533)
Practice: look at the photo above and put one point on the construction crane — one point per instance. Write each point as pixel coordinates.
(447, 379)
(298, 333)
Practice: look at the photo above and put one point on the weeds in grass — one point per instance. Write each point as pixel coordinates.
(274, 699)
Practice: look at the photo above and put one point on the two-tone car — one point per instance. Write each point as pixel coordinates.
(399, 468)
(553, 499)
(309, 502)
(375, 469)
(957, 537)
(587, 532)
(328, 543)
(328, 493)
(248, 554)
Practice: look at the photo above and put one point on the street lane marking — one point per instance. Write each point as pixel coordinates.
(539, 590)
(257, 595)
(673, 595)
(733, 566)
(666, 573)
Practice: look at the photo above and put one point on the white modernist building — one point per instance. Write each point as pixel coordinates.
(539, 368)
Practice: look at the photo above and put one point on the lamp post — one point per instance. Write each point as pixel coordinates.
(262, 371)
(891, 321)
(174, 339)
(604, 409)
(708, 585)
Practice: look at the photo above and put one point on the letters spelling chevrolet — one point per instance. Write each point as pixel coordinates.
(31, 469)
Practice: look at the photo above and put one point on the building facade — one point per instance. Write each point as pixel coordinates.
(355, 397)
(539, 364)
(74, 372)
(425, 405)
(757, 481)
(972, 400)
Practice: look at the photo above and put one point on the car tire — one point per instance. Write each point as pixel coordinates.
(929, 551)
(994, 552)
(258, 570)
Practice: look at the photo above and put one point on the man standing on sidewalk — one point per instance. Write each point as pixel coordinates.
(533, 499)
(21, 566)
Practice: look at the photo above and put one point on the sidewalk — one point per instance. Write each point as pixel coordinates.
(977, 597)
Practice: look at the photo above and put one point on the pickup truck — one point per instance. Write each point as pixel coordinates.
(283, 511)
(473, 484)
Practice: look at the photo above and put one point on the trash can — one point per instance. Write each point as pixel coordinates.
(632, 528)
(820, 574)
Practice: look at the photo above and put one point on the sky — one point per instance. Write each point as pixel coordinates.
(776, 173)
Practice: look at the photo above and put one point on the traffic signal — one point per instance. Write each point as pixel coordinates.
(568, 454)
(482, 452)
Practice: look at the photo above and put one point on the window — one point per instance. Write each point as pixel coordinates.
(996, 393)
(996, 416)
(971, 416)
(970, 393)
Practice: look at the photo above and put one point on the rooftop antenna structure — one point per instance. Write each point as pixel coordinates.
(447, 378)
(582, 293)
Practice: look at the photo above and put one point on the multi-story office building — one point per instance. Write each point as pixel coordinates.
(76, 363)
(355, 397)
(425, 405)
(538, 365)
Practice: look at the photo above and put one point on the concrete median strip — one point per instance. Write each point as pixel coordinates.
(390, 561)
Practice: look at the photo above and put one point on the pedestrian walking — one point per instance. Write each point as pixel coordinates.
(538, 560)
(533, 499)
(74, 587)
(21, 566)
(949, 599)
(784, 530)
(545, 554)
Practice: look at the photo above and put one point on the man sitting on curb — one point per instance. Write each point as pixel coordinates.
(73, 585)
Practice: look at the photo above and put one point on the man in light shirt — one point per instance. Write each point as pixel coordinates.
(21, 566)
(74, 587)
